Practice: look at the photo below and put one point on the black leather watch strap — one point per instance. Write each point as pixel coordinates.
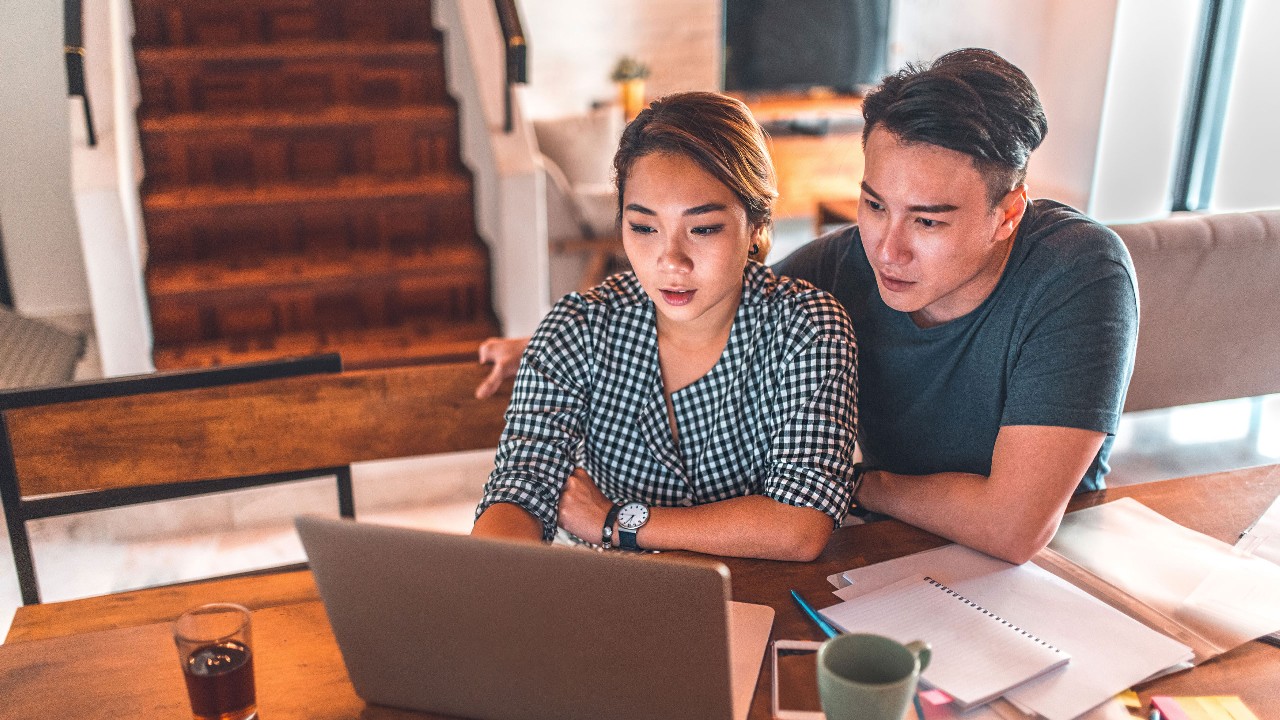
(606, 535)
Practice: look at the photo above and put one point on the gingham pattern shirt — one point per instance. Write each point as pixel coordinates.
(776, 416)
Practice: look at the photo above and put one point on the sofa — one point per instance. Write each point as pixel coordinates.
(1209, 294)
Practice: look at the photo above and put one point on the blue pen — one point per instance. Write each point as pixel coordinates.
(831, 632)
(823, 625)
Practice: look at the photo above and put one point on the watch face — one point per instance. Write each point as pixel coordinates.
(633, 515)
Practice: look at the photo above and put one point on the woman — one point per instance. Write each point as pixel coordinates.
(698, 402)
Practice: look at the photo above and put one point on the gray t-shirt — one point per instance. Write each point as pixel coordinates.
(1052, 345)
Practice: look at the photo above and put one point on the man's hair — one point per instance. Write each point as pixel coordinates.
(972, 101)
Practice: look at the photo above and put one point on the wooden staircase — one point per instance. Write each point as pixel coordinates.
(304, 191)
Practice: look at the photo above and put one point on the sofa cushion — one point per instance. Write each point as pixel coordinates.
(1209, 291)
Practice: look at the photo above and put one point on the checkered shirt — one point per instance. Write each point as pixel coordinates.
(776, 416)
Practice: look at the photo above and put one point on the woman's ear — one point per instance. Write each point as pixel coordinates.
(761, 242)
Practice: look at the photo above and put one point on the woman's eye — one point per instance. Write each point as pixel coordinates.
(873, 204)
(641, 229)
(707, 229)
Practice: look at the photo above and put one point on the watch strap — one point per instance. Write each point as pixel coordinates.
(627, 539)
(606, 535)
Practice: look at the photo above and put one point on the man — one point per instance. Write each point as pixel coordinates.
(996, 335)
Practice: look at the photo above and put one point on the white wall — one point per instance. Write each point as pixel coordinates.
(1146, 99)
(1250, 153)
(1064, 47)
(574, 45)
(41, 237)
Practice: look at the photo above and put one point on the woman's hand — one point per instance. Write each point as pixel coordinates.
(583, 507)
(504, 354)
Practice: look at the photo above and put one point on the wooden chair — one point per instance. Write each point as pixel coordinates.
(140, 439)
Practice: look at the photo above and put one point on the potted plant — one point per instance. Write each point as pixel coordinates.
(630, 75)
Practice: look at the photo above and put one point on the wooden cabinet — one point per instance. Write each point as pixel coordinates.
(816, 142)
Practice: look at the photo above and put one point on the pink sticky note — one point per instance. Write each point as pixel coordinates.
(1168, 707)
(935, 697)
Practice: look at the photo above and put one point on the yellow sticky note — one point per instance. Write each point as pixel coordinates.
(1130, 699)
(1215, 707)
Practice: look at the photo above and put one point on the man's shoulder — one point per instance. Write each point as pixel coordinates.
(818, 260)
(1061, 232)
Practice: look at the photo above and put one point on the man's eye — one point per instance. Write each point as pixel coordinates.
(928, 222)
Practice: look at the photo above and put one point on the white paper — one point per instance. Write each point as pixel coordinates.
(977, 655)
(1263, 539)
(1221, 594)
(1110, 651)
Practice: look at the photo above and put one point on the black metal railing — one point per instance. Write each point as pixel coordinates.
(73, 34)
(516, 52)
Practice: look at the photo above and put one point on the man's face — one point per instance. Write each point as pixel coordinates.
(937, 246)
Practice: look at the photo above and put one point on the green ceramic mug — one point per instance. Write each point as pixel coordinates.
(869, 677)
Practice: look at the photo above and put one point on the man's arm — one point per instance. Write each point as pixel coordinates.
(1013, 513)
(504, 354)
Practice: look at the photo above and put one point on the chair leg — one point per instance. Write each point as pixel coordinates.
(19, 541)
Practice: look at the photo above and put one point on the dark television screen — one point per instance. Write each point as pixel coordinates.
(796, 45)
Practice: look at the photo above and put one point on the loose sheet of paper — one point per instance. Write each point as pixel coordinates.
(1218, 592)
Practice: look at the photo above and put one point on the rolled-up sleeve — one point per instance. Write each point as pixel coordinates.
(815, 418)
(543, 438)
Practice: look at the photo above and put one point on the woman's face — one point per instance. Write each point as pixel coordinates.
(687, 237)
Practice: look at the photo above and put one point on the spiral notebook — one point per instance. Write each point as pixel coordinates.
(977, 655)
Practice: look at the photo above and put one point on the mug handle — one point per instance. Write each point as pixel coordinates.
(922, 650)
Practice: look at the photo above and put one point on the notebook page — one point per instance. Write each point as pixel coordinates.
(977, 655)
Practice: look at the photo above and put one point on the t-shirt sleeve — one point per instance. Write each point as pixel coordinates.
(544, 432)
(810, 460)
(1076, 357)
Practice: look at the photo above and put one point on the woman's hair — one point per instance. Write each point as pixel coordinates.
(720, 135)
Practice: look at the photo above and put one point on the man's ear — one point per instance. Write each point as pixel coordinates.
(1010, 209)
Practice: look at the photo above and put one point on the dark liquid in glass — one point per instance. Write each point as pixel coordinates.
(220, 681)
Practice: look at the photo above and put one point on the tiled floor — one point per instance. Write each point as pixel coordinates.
(109, 551)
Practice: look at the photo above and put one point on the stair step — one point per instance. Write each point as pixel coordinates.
(279, 147)
(193, 302)
(445, 264)
(236, 78)
(405, 344)
(346, 189)
(179, 22)
(399, 216)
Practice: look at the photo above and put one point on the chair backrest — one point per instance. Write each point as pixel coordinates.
(172, 435)
(1209, 302)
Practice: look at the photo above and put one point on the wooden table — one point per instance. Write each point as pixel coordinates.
(300, 674)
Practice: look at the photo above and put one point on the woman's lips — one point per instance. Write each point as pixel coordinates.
(678, 297)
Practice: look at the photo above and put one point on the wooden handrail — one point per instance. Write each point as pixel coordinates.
(516, 51)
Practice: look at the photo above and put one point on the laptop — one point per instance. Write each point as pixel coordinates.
(496, 630)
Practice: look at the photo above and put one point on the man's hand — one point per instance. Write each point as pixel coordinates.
(504, 354)
(583, 507)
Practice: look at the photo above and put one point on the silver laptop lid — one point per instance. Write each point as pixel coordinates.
(489, 629)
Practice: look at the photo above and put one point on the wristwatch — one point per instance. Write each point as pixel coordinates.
(606, 536)
(631, 518)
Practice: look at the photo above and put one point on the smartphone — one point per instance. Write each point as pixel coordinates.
(795, 680)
